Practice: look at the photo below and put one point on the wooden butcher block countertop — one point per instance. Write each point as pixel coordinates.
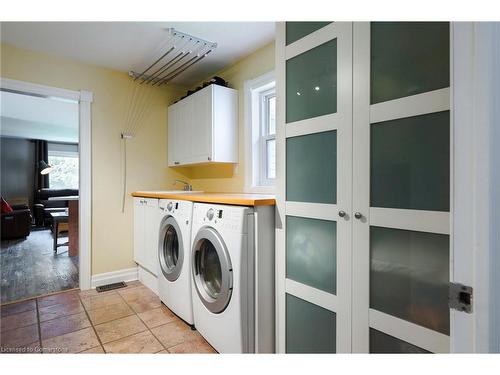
(236, 199)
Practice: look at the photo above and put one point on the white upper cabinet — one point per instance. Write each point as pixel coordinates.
(203, 128)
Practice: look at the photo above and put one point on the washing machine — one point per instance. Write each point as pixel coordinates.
(233, 277)
(174, 257)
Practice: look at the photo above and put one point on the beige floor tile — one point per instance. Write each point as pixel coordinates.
(111, 312)
(141, 305)
(96, 350)
(63, 325)
(120, 328)
(58, 299)
(101, 301)
(59, 310)
(157, 317)
(19, 337)
(93, 292)
(143, 342)
(197, 346)
(16, 308)
(73, 342)
(19, 320)
(139, 293)
(174, 333)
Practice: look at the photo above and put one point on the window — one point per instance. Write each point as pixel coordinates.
(268, 138)
(260, 134)
(64, 160)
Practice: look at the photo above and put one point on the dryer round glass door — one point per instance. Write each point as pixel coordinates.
(170, 249)
(212, 270)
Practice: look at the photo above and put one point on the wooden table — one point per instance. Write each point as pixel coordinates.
(72, 223)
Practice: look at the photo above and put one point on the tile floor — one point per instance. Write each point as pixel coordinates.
(127, 320)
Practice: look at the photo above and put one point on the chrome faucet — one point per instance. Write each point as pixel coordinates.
(187, 187)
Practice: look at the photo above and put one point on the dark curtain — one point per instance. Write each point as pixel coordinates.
(41, 153)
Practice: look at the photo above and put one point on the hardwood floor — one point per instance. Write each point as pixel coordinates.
(30, 268)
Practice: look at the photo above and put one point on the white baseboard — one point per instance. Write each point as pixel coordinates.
(128, 274)
(148, 279)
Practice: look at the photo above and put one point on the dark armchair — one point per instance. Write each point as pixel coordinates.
(44, 206)
(16, 224)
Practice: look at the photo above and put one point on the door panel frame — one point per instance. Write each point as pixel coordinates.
(366, 115)
(341, 121)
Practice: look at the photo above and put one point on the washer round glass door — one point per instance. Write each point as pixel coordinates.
(212, 270)
(170, 249)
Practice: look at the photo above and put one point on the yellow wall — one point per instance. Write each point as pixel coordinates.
(112, 230)
(229, 178)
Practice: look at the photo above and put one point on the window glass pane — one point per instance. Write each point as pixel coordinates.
(311, 252)
(64, 174)
(410, 163)
(408, 58)
(311, 168)
(272, 115)
(382, 343)
(409, 276)
(311, 83)
(271, 158)
(298, 30)
(309, 328)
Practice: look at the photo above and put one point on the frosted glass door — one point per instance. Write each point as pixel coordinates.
(314, 140)
(401, 199)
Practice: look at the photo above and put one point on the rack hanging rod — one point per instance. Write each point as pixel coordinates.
(156, 62)
(165, 67)
(169, 78)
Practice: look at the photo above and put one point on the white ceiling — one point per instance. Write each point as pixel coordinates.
(124, 45)
(33, 117)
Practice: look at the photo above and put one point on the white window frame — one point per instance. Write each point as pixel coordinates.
(264, 97)
(256, 133)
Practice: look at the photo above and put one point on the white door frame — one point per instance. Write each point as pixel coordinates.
(476, 182)
(84, 99)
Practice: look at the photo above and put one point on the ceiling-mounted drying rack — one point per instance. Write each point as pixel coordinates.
(181, 52)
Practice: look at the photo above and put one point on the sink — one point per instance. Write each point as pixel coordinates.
(174, 192)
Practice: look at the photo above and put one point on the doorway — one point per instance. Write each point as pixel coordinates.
(53, 253)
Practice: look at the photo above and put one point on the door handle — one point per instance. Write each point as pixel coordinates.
(358, 215)
(341, 213)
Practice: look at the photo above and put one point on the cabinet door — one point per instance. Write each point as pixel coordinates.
(199, 127)
(139, 230)
(181, 120)
(151, 230)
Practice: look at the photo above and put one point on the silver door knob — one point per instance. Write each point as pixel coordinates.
(358, 215)
(341, 213)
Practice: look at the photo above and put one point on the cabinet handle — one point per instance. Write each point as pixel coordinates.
(209, 158)
(176, 162)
